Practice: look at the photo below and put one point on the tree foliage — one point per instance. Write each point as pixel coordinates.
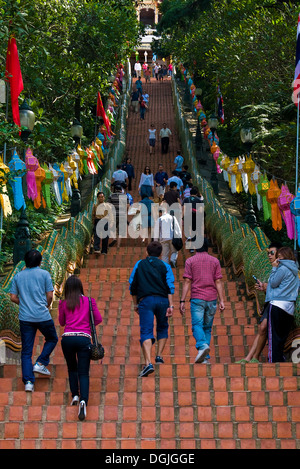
(248, 48)
(68, 49)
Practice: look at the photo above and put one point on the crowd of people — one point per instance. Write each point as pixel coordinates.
(159, 71)
(163, 203)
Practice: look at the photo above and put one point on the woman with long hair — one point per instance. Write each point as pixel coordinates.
(74, 315)
(146, 185)
(282, 292)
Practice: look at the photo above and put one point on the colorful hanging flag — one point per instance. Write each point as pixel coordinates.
(14, 77)
(296, 83)
(101, 113)
(220, 106)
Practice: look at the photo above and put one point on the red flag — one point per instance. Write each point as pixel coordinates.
(101, 113)
(296, 83)
(14, 77)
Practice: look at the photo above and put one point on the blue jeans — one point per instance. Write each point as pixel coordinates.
(142, 112)
(28, 332)
(76, 350)
(151, 306)
(202, 313)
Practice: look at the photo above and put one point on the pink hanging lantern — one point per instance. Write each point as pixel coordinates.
(32, 165)
(283, 202)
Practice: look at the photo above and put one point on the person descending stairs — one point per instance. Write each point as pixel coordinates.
(182, 405)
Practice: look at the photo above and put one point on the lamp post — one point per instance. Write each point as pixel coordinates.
(213, 125)
(22, 241)
(187, 93)
(198, 137)
(76, 131)
(247, 138)
(27, 120)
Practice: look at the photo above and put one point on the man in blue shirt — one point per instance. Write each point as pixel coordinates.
(178, 163)
(160, 179)
(176, 179)
(152, 286)
(32, 290)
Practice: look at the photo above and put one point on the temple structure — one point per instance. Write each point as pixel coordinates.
(148, 14)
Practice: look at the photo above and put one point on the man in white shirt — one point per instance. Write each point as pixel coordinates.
(119, 177)
(165, 228)
(165, 134)
(138, 69)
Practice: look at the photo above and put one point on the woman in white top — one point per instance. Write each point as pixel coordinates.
(146, 186)
(152, 138)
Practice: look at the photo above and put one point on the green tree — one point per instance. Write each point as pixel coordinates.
(248, 47)
(68, 50)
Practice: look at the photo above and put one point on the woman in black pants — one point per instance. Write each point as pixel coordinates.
(74, 314)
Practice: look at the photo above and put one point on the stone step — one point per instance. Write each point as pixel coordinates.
(182, 405)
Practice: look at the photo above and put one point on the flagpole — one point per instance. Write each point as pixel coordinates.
(296, 176)
(96, 121)
(4, 161)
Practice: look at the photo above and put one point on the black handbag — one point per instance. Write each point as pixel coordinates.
(97, 351)
(177, 242)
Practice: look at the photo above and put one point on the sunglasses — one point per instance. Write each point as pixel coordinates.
(271, 253)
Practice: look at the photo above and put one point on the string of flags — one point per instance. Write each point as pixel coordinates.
(40, 178)
(60, 178)
(243, 174)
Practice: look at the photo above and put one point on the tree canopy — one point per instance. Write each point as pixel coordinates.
(248, 48)
(68, 49)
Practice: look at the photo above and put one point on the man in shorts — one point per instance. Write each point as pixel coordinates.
(152, 286)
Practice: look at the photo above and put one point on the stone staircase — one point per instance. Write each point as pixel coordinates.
(182, 405)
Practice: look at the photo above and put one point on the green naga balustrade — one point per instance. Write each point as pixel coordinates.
(63, 250)
(240, 246)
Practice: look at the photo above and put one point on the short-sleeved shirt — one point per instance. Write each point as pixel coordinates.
(177, 180)
(165, 133)
(31, 286)
(171, 196)
(120, 175)
(159, 178)
(203, 270)
(179, 162)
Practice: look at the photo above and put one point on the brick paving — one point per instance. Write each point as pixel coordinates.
(221, 405)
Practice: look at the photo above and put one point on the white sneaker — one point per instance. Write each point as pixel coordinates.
(202, 354)
(29, 386)
(41, 369)
(75, 400)
(82, 410)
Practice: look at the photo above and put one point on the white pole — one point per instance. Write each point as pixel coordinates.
(297, 156)
(4, 161)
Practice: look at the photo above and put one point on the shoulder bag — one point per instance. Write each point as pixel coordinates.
(97, 349)
(177, 242)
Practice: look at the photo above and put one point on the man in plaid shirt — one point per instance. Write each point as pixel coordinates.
(202, 275)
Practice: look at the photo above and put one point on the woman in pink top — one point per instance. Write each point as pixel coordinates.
(74, 315)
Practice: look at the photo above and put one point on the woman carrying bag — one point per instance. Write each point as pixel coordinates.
(282, 292)
(74, 315)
